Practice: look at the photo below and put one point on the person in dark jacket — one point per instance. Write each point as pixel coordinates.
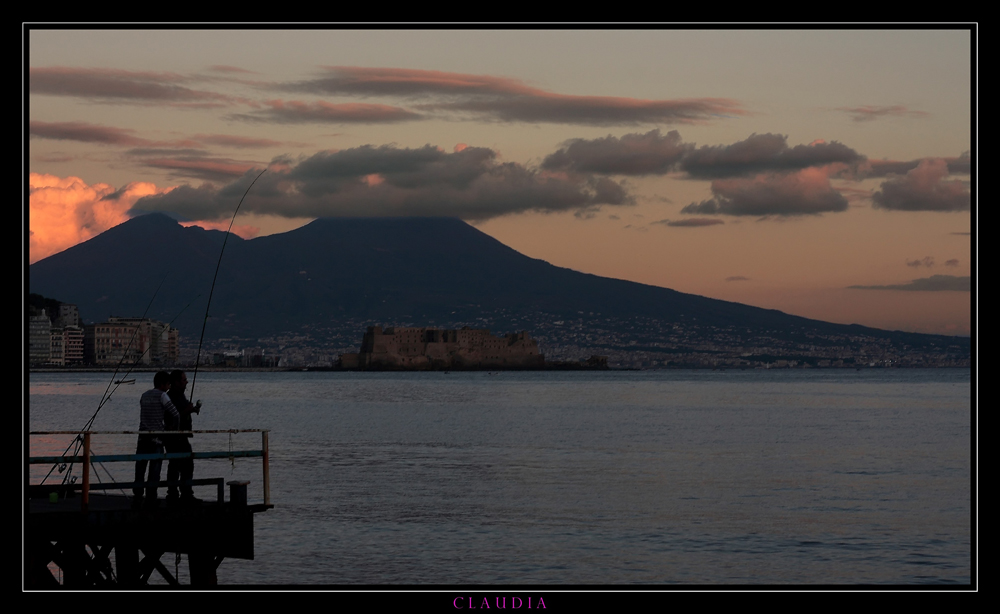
(180, 468)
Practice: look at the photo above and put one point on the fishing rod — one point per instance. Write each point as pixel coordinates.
(78, 441)
(201, 340)
(107, 396)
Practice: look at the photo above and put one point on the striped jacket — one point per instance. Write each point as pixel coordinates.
(153, 404)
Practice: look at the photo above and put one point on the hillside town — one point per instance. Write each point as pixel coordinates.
(58, 338)
(645, 343)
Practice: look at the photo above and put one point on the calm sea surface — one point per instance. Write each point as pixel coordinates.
(646, 477)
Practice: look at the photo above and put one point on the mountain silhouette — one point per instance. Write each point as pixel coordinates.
(375, 270)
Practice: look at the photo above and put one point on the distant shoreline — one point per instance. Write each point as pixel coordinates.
(315, 368)
(494, 370)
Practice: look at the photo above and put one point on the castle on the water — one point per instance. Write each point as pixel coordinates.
(433, 348)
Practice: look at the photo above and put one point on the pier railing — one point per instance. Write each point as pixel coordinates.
(85, 458)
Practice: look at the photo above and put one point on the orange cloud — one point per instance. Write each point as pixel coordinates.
(65, 211)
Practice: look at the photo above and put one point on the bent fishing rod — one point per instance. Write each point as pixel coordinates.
(105, 397)
(109, 391)
(201, 340)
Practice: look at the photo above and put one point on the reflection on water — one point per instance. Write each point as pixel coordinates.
(834, 476)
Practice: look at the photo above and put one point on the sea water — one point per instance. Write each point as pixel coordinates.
(790, 477)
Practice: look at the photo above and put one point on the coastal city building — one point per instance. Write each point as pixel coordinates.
(134, 341)
(39, 338)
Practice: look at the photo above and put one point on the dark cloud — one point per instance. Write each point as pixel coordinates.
(927, 261)
(870, 113)
(961, 165)
(54, 157)
(504, 99)
(951, 262)
(357, 80)
(111, 85)
(201, 167)
(164, 151)
(885, 168)
(297, 112)
(108, 135)
(806, 192)
(763, 153)
(934, 283)
(238, 142)
(117, 193)
(84, 133)
(389, 181)
(230, 69)
(592, 110)
(923, 189)
(632, 154)
(694, 222)
(656, 154)
(737, 278)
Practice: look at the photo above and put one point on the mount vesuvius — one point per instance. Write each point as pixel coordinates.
(384, 270)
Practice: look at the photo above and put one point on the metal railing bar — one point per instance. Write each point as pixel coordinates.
(146, 432)
(114, 485)
(112, 458)
(90, 461)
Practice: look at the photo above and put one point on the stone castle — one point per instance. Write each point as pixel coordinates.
(432, 348)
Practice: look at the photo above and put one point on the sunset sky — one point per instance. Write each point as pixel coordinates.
(825, 173)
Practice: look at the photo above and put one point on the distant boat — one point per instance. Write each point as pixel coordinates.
(125, 381)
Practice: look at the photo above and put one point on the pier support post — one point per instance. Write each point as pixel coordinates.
(127, 564)
(238, 493)
(202, 567)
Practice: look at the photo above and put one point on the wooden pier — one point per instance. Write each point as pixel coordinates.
(99, 540)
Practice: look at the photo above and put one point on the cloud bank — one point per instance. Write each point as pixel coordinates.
(469, 183)
(807, 192)
(656, 154)
(84, 132)
(761, 153)
(762, 176)
(494, 98)
(298, 112)
(122, 86)
(631, 154)
(961, 165)
(450, 95)
(924, 189)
